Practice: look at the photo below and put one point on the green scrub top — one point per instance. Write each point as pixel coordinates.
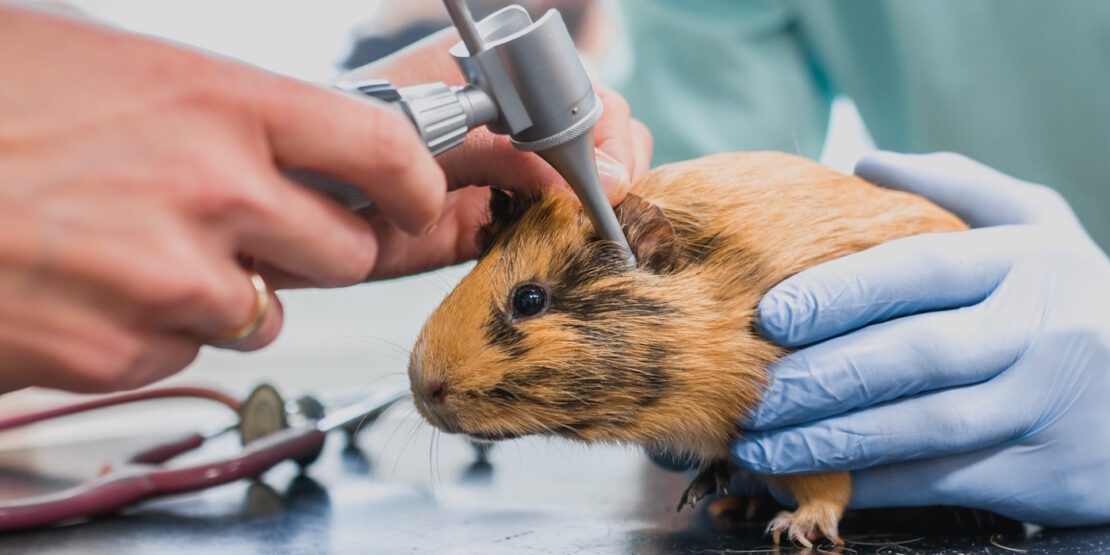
(1020, 85)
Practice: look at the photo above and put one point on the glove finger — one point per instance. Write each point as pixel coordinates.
(979, 195)
(905, 276)
(893, 360)
(931, 425)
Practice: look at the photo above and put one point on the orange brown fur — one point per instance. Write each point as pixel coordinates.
(664, 357)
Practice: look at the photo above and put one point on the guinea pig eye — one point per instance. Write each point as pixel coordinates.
(529, 300)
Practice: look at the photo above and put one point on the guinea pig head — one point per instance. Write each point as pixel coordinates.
(550, 333)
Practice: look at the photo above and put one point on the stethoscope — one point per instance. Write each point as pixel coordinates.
(271, 430)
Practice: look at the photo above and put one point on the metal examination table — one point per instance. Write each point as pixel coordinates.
(407, 491)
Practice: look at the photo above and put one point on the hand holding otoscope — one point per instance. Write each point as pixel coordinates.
(527, 81)
(138, 175)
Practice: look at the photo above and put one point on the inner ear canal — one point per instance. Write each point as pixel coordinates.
(500, 216)
(650, 234)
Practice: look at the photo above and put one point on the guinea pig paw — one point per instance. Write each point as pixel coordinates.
(712, 478)
(806, 525)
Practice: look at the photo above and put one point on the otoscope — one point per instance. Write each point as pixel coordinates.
(525, 80)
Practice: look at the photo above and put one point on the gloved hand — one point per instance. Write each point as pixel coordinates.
(968, 368)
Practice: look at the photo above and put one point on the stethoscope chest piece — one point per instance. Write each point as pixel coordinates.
(261, 414)
(264, 413)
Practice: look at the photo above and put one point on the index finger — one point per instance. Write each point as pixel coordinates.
(978, 194)
(935, 424)
(896, 359)
(904, 276)
(359, 141)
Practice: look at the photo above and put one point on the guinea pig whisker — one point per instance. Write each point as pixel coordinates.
(365, 417)
(433, 464)
(388, 343)
(404, 446)
(431, 468)
(365, 387)
(446, 285)
(436, 435)
(519, 455)
(569, 459)
(401, 422)
(357, 337)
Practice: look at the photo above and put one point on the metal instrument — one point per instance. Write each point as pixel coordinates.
(527, 81)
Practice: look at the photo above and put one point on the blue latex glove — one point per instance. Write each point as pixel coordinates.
(968, 368)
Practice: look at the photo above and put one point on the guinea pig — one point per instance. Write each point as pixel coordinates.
(553, 333)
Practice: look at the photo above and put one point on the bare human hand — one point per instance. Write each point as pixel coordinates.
(136, 176)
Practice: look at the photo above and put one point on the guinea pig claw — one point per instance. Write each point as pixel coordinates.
(805, 525)
(713, 477)
(698, 490)
(688, 498)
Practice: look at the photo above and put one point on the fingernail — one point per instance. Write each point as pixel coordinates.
(614, 176)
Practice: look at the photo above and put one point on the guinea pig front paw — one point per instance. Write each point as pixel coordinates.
(809, 523)
(713, 476)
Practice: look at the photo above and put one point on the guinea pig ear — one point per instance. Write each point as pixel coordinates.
(504, 211)
(650, 234)
(500, 205)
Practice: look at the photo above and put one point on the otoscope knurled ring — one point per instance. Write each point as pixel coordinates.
(567, 135)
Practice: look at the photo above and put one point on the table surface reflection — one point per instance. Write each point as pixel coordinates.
(407, 489)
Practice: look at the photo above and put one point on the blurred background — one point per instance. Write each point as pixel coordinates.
(337, 343)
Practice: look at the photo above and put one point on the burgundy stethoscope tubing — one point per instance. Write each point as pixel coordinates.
(139, 477)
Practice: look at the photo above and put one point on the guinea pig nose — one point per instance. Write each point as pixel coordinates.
(435, 391)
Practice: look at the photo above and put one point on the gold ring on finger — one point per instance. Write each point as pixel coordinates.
(235, 336)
